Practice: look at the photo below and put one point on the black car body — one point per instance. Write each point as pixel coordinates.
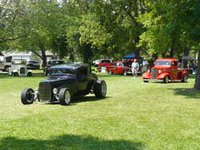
(33, 64)
(65, 82)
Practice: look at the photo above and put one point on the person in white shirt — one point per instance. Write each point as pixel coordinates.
(134, 68)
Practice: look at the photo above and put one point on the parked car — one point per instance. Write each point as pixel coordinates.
(65, 82)
(119, 68)
(166, 70)
(33, 64)
(18, 68)
(96, 62)
(4, 66)
(104, 63)
(52, 62)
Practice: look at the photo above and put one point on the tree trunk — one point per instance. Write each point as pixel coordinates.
(86, 53)
(186, 53)
(197, 78)
(43, 52)
(171, 54)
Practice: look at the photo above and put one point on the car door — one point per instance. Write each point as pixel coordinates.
(174, 70)
(82, 75)
(1, 65)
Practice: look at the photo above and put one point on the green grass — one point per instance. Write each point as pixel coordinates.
(135, 115)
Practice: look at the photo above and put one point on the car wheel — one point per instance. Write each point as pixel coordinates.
(125, 73)
(100, 89)
(15, 74)
(29, 74)
(145, 81)
(27, 96)
(6, 69)
(166, 79)
(64, 96)
(184, 78)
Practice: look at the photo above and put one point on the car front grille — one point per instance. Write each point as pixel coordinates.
(154, 73)
(22, 70)
(45, 91)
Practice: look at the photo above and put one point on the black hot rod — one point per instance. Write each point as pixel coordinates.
(65, 82)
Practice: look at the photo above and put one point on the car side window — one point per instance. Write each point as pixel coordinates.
(82, 73)
(174, 63)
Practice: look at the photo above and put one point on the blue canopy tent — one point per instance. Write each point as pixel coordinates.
(131, 56)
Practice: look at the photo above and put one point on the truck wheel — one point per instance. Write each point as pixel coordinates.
(184, 78)
(64, 96)
(166, 79)
(27, 96)
(100, 89)
(29, 74)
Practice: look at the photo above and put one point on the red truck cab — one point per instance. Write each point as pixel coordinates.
(104, 63)
(165, 70)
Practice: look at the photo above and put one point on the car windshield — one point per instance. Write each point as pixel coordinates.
(19, 62)
(57, 62)
(106, 61)
(60, 72)
(162, 63)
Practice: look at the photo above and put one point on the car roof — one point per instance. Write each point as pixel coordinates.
(70, 66)
(55, 60)
(166, 59)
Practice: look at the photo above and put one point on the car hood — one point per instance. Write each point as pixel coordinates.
(58, 78)
(160, 67)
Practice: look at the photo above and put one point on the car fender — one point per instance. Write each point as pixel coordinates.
(146, 75)
(163, 75)
(29, 71)
(15, 70)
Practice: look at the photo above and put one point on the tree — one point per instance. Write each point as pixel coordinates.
(12, 16)
(45, 27)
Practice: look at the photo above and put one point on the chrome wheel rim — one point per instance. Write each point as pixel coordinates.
(29, 96)
(185, 78)
(167, 79)
(104, 89)
(67, 97)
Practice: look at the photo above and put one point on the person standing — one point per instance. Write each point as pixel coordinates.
(135, 67)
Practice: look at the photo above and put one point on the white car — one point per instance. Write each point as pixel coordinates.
(19, 68)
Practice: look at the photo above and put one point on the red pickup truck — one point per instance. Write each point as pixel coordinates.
(165, 70)
(104, 63)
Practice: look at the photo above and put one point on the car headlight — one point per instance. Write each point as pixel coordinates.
(55, 91)
(159, 71)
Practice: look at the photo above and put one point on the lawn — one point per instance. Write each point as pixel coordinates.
(135, 115)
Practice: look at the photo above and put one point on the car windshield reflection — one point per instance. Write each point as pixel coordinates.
(60, 72)
(162, 63)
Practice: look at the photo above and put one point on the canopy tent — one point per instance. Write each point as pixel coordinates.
(131, 56)
(189, 58)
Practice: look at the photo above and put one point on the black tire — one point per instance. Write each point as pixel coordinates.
(15, 74)
(6, 69)
(145, 81)
(166, 79)
(27, 96)
(100, 89)
(184, 78)
(64, 96)
(29, 74)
